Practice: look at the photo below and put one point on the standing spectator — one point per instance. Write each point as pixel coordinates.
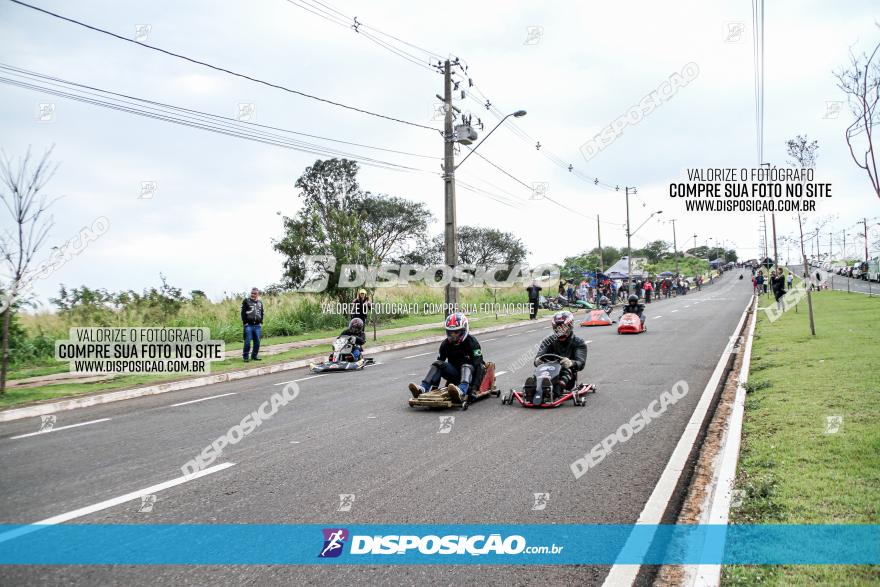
(790, 279)
(778, 284)
(569, 291)
(582, 291)
(760, 286)
(649, 289)
(614, 292)
(252, 315)
(534, 292)
(361, 305)
(754, 284)
(562, 288)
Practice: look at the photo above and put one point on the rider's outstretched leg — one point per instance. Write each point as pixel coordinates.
(432, 379)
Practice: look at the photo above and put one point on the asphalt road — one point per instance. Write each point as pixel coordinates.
(353, 433)
(841, 283)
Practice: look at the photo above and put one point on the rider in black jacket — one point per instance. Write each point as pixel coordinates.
(566, 344)
(634, 307)
(356, 329)
(460, 361)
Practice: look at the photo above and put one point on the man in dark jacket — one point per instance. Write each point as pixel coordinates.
(566, 344)
(534, 292)
(252, 315)
(777, 282)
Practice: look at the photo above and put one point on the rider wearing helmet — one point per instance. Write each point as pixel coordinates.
(459, 361)
(634, 307)
(356, 329)
(565, 343)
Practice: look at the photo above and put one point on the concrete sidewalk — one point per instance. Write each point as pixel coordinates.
(267, 350)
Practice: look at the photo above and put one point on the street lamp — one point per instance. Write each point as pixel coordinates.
(629, 235)
(449, 168)
(517, 114)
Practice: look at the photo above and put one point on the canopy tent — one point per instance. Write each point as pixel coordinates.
(618, 270)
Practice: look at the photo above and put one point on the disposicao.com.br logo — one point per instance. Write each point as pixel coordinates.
(493, 544)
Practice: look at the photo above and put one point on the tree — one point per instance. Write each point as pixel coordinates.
(803, 154)
(390, 223)
(653, 251)
(341, 224)
(425, 253)
(21, 191)
(861, 84)
(489, 246)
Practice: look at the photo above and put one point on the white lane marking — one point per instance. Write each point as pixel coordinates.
(377, 363)
(58, 428)
(294, 442)
(657, 317)
(301, 379)
(202, 399)
(533, 330)
(588, 341)
(515, 334)
(500, 373)
(418, 355)
(673, 312)
(687, 307)
(489, 339)
(103, 505)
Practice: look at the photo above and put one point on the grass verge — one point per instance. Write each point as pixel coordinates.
(799, 464)
(19, 396)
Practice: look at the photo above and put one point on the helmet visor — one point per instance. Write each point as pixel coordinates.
(455, 336)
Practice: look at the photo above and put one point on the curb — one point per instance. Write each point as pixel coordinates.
(135, 392)
(724, 477)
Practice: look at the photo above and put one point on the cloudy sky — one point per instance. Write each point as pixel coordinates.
(575, 67)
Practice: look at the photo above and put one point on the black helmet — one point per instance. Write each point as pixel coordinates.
(563, 325)
(633, 299)
(356, 325)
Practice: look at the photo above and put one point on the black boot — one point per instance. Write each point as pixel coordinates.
(529, 389)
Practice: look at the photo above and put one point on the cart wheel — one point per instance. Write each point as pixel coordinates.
(464, 405)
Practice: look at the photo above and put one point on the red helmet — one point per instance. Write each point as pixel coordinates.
(456, 328)
(563, 325)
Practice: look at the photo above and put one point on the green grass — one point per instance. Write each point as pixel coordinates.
(790, 470)
(19, 396)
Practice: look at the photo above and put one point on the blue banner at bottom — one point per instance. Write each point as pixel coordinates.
(486, 544)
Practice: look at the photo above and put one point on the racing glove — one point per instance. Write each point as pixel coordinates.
(566, 362)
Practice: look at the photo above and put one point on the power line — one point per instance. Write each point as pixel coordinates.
(352, 23)
(184, 117)
(221, 69)
(32, 74)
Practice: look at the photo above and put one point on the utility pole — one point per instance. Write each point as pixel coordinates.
(599, 233)
(843, 256)
(674, 247)
(766, 244)
(629, 247)
(865, 222)
(830, 246)
(775, 252)
(451, 240)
